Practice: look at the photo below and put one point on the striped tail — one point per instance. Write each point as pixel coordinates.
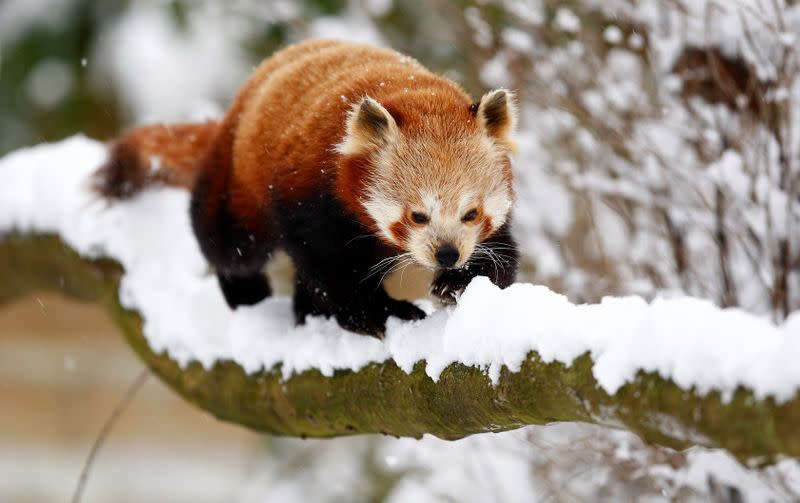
(157, 154)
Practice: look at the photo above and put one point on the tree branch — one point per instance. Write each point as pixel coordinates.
(382, 398)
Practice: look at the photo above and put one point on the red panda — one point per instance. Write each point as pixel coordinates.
(349, 158)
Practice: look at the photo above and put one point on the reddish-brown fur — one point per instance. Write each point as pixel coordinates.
(293, 110)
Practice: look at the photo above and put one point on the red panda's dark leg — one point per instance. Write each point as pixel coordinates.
(305, 303)
(339, 284)
(237, 253)
(369, 316)
(237, 246)
(366, 312)
(360, 306)
(499, 264)
(244, 290)
(333, 257)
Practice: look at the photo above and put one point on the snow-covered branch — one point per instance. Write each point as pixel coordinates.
(676, 371)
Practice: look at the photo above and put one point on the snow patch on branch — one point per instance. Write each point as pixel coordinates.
(44, 189)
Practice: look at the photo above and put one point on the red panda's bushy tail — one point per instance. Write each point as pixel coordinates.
(162, 154)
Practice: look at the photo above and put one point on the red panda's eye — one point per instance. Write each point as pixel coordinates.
(470, 215)
(419, 218)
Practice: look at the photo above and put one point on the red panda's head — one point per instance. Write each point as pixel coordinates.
(435, 185)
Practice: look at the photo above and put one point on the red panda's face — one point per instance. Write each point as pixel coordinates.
(437, 192)
(439, 200)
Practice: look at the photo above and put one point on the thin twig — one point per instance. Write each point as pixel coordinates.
(106, 429)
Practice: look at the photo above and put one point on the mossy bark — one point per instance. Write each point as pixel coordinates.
(381, 398)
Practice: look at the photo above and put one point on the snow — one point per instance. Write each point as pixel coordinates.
(567, 20)
(482, 30)
(612, 35)
(746, 27)
(353, 28)
(517, 39)
(161, 71)
(49, 83)
(167, 280)
(530, 464)
(17, 16)
(495, 72)
(379, 8)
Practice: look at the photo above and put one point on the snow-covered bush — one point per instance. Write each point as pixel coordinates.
(673, 129)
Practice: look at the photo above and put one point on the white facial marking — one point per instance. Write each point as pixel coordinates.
(496, 206)
(467, 201)
(384, 212)
(431, 202)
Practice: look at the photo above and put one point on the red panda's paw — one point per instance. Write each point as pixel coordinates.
(244, 290)
(405, 310)
(363, 322)
(371, 320)
(449, 284)
(305, 304)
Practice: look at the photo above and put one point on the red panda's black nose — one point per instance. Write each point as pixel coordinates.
(447, 255)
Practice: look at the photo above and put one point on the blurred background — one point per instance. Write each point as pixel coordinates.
(659, 154)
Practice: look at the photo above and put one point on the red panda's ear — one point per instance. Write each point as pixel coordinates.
(497, 115)
(369, 125)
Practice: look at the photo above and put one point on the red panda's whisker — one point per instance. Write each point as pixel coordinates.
(497, 245)
(395, 267)
(387, 262)
(491, 259)
(358, 237)
(408, 262)
(378, 267)
(497, 261)
(492, 250)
